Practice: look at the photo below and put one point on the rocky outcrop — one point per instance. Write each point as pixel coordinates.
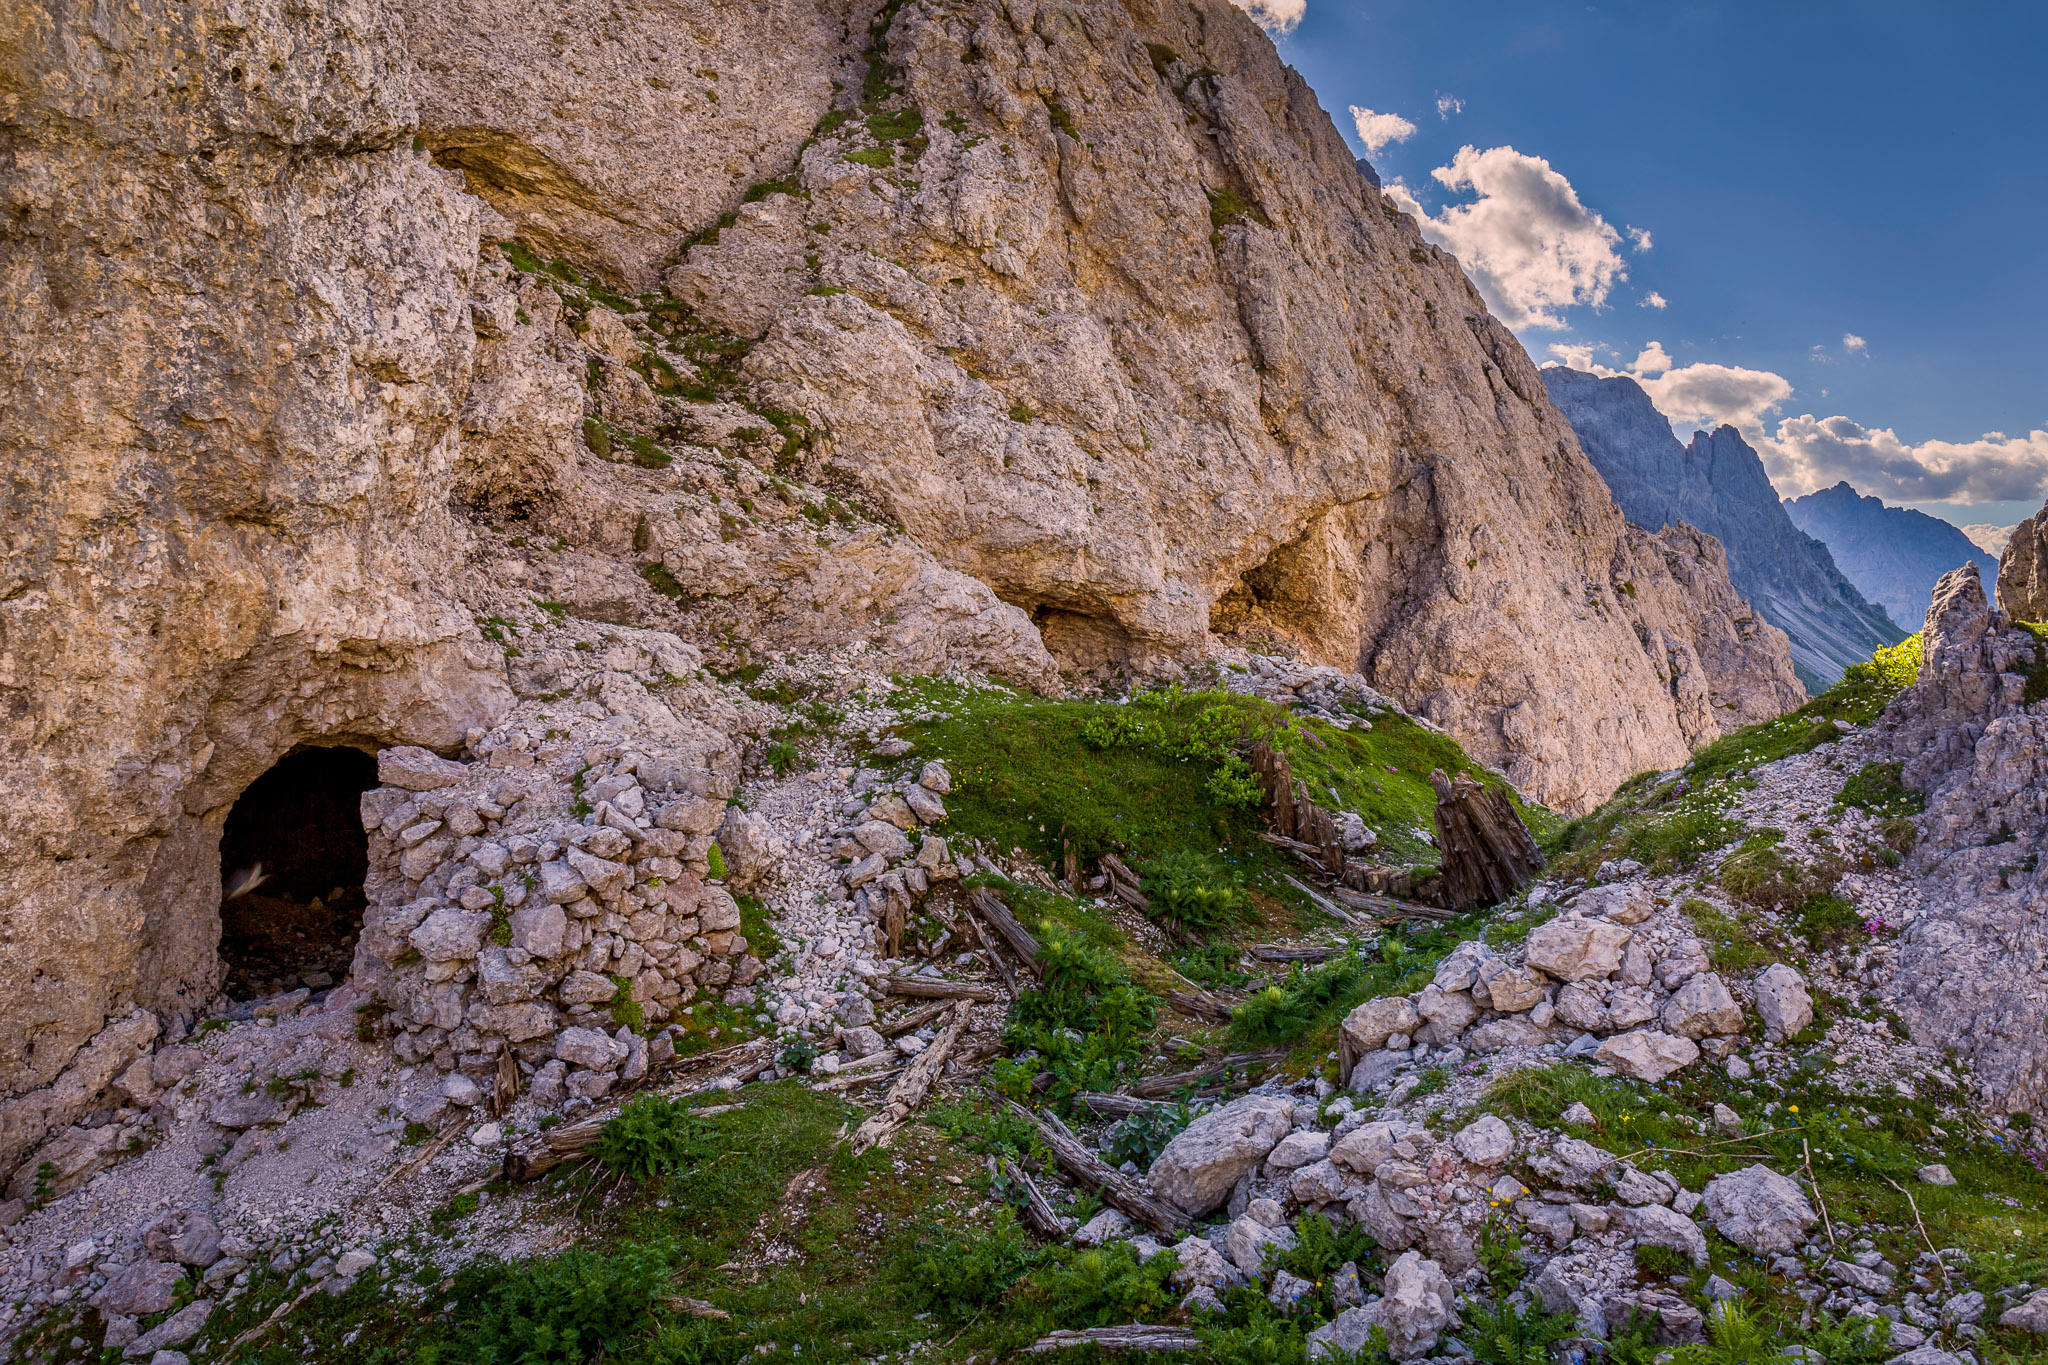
(1718, 485)
(1973, 972)
(1121, 401)
(1064, 341)
(238, 339)
(2023, 570)
(1894, 555)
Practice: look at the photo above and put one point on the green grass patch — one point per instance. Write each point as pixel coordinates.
(1878, 788)
(1732, 948)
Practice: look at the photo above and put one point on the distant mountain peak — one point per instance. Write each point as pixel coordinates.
(1718, 483)
(1894, 555)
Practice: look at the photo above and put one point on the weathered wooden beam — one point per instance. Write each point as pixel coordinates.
(1117, 1189)
(1159, 1087)
(936, 988)
(1136, 1336)
(910, 1090)
(999, 917)
(1199, 1006)
(1119, 1106)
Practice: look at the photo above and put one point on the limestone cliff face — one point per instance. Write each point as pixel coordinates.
(1091, 301)
(1718, 484)
(1079, 345)
(237, 339)
(2023, 570)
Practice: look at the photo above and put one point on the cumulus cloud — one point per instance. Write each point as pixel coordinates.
(1653, 299)
(1691, 396)
(1810, 452)
(1379, 130)
(1992, 540)
(1274, 16)
(1447, 105)
(1854, 345)
(1639, 238)
(1712, 395)
(1531, 247)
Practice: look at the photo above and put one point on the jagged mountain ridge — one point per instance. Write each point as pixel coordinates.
(1894, 555)
(1085, 320)
(1719, 485)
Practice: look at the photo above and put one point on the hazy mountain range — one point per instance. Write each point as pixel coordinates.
(1718, 484)
(1894, 554)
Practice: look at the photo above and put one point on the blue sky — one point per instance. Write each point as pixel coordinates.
(1807, 173)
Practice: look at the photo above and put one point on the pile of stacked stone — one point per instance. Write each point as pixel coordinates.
(538, 898)
(888, 870)
(1616, 977)
(1251, 1169)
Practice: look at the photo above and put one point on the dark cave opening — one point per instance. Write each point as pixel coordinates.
(293, 855)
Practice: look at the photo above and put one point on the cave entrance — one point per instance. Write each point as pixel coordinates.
(292, 860)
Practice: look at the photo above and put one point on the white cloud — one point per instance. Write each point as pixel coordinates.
(1692, 396)
(1653, 299)
(1378, 130)
(1578, 356)
(1653, 360)
(1447, 105)
(1854, 345)
(1808, 452)
(1992, 540)
(1532, 248)
(1274, 16)
(1816, 452)
(1639, 238)
(1712, 395)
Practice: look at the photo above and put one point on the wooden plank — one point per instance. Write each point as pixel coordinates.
(991, 952)
(1159, 1087)
(1273, 952)
(845, 1082)
(1201, 1007)
(923, 1014)
(1120, 1106)
(1117, 1189)
(998, 915)
(1136, 1336)
(1038, 1210)
(912, 1087)
(1322, 902)
(935, 988)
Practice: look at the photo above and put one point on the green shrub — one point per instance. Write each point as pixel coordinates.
(1320, 1249)
(1826, 920)
(1103, 1287)
(651, 1137)
(1141, 1137)
(955, 1273)
(560, 1310)
(1877, 788)
(1513, 1334)
(1730, 947)
(714, 861)
(1192, 891)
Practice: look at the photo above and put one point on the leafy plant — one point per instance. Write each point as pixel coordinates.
(561, 1310)
(1514, 1333)
(1192, 891)
(955, 1273)
(1141, 1137)
(798, 1055)
(1104, 1286)
(1320, 1249)
(1880, 789)
(652, 1136)
(1734, 1338)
